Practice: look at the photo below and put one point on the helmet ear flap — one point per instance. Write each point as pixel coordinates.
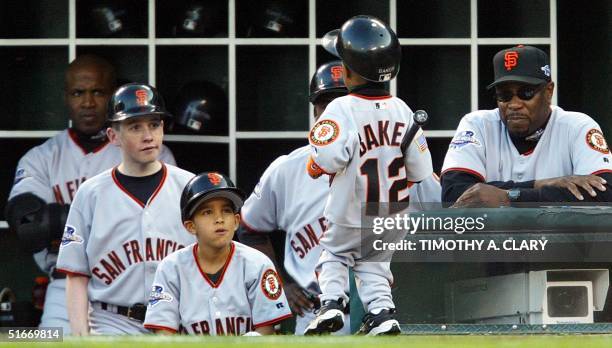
(329, 42)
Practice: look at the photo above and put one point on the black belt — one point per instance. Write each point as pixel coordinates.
(137, 311)
(58, 275)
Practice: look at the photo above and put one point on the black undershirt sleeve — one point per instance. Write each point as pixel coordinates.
(455, 183)
(559, 194)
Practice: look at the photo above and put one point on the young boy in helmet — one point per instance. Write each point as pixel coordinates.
(122, 222)
(357, 142)
(215, 286)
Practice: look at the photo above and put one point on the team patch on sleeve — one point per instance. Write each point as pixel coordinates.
(463, 139)
(70, 236)
(271, 285)
(158, 294)
(324, 132)
(596, 141)
(20, 174)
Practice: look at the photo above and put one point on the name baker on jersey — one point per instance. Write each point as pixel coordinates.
(382, 133)
(223, 326)
(132, 253)
(307, 237)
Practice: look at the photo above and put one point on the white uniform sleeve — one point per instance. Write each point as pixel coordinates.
(163, 308)
(32, 176)
(166, 156)
(259, 212)
(466, 151)
(590, 152)
(417, 159)
(426, 191)
(72, 257)
(333, 139)
(266, 295)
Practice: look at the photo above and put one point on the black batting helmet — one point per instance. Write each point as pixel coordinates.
(135, 99)
(201, 107)
(368, 46)
(205, 186)
(327, 79)
(107, 18)
(273, 18)
(200, 19)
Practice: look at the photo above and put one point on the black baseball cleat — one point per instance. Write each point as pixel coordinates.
(329, 319)
(383, 323)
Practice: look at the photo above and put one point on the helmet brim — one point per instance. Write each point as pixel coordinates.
(124, 115)
(337, 90)
(234, 195)
(517, 78)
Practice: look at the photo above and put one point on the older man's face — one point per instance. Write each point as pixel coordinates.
(524, 108)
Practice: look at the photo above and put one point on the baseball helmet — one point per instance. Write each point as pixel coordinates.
(273, 18)
(200, 19)
(135, 99)
(368, 46)
(205, 186)
(201, 107)
(327, 79)
(107, 18)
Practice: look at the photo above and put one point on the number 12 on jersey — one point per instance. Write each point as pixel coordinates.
(369, 168)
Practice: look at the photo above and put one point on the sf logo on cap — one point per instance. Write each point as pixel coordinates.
(510, 60)
(336, 73)
(141, 97)
(214, 178)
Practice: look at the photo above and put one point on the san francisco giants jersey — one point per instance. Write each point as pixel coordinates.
(117, 240)
(357, 140)
(287, 198)
(572, 144)
(248, 294)
(54, 170)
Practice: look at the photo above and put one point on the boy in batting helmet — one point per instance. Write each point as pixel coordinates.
(215, 286)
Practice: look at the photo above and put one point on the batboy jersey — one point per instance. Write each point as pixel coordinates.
(248, 294)
(357, 139)
(287, 198)
(53, 171)
(572, 144)
(118, 241)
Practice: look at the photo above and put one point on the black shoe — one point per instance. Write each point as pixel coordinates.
(329, 319)
(383, 323)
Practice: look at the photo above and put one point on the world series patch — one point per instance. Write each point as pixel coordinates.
(464, 138)
(271, 285)
(157, 294)
(70, 236)
(324, 132)
(596, 141)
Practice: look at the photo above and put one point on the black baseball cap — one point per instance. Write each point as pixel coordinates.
(525, 64)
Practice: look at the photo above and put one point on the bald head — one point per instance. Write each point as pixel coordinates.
(91, 62)
(89, 82)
